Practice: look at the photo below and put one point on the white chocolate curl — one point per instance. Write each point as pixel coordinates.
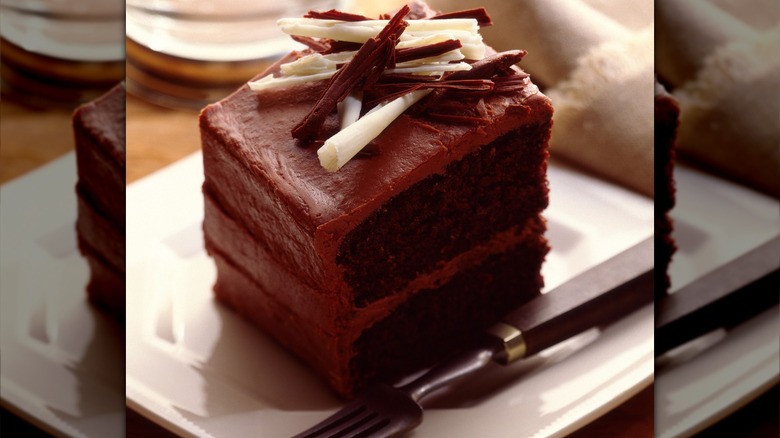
(464, 29)
(342, 147)
(356, 132)
(349, 108)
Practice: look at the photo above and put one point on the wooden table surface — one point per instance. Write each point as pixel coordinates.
(156, 137)
(30, 137)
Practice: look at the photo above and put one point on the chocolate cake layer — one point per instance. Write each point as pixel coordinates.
(103, 236)
(491, 190)
(422, 330)
(99, 128)
(106, 287)
(407, 338)
(225, 235)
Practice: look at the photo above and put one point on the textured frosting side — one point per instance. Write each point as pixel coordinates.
(104, 119)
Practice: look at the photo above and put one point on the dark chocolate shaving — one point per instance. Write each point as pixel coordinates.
(318, 45)
(364, 69)
(375, 97)
(335, 15)
(480, 14)
(465, 84)
(341, 46)
(326, 46)
(390, 91)
(436, 49)
(490, 66)
(493, 74)
(510, 84)
(400, 78)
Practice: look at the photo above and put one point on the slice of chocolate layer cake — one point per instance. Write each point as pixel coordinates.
(99, 128)
(375, 200)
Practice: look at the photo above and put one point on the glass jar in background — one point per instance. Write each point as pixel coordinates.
(56, 53)
(188, 53)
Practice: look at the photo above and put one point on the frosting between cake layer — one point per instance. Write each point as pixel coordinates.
(335, 315)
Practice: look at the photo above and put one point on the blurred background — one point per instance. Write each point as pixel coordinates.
(62, 359)
(720, 62)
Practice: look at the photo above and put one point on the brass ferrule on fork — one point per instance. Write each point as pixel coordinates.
(513, 341)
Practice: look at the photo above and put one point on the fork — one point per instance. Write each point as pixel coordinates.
(384, 410)
(596, 297)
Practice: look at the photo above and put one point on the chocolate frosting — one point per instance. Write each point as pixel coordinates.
(258, 125)
(104, 118)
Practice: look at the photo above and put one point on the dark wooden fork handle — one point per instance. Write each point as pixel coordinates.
(596, 297)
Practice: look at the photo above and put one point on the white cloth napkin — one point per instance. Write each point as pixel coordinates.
(721, 59)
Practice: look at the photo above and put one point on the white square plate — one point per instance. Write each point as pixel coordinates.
(696, 385)
(62, 361)
(198, 369)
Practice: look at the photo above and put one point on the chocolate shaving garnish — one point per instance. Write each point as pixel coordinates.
(487, 68)
(326, 46)
(490, 65)
(335, 15)
(364, 68)
(464, 84)
(402, 78)
(435, 49)
(374, 99)
(389, 35)
(380, 92)
(509, 84)
(341, 46)
(480, 14)
(318, 45)
(468, 85)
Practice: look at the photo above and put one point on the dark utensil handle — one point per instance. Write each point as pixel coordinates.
(725, 297)
(596, 297)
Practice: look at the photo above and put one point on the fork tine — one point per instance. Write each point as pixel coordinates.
(381, 411)
(335, 423)
(370, 428)
(353, 428)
